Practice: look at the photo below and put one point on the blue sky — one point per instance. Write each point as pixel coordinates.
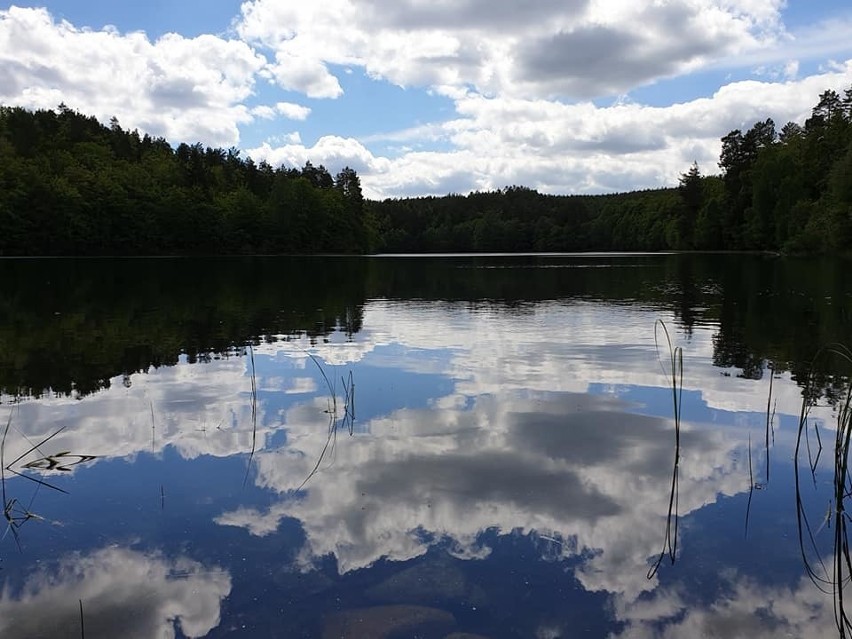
(429, 97)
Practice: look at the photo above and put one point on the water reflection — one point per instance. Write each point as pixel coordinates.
(575, 468)
(507, 473)
(195, 409)
(73, 326)
(122, 593)
(744, 609)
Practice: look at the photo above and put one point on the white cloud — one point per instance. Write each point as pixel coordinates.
(791, 69)
(180, 88)
(296, 73)
(195, 409)
(825, 40)
(289, 110)
(124, 593)
(263, 111)
(577, 49)
(331, 151)
(565, 148)
(509, 77)
(293, 111)
(518, 75)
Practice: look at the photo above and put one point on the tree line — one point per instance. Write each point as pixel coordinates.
(72, 186)
(785, 191)
(788, 190)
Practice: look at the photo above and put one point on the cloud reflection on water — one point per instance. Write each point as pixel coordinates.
(518, 446)
(745, 609)
(577, 468)
(124, 593)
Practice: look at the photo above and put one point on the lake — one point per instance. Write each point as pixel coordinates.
(445, 446)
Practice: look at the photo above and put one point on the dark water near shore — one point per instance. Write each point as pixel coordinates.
(400, 447)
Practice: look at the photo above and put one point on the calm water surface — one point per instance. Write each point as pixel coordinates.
(417, 447)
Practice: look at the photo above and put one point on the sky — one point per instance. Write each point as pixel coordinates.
(429, 97)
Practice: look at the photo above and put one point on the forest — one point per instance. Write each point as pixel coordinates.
(787, 190)
(70, 185)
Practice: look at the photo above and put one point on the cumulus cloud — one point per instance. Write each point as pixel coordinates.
(263, 111)
(186, 89)
(311, 77)
(194, 409)
(331, 151)
(289, 110)
(125, 593)
(604, 59)
(471, 14)
(574, 49)
(293, 111)
(558, 147)
(520, 77)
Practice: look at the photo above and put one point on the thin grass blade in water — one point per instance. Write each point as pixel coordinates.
(253, 414)
(829, 580)
(347, 421)
(675, 378)
(750, 486)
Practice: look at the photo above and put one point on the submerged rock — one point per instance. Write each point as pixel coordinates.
(428, 583)
(387, 622)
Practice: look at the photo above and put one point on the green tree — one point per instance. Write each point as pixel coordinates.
(692, 197)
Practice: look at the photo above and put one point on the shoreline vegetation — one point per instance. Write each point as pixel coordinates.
(71, 186)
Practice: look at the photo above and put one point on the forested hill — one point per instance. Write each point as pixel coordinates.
(72, 186)
(789, 190)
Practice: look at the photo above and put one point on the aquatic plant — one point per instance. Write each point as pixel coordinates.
(335, 421)
(770, 419)
(830, 577)
(14, 512)
(769, 436)
(253, 413)
(674, 374)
